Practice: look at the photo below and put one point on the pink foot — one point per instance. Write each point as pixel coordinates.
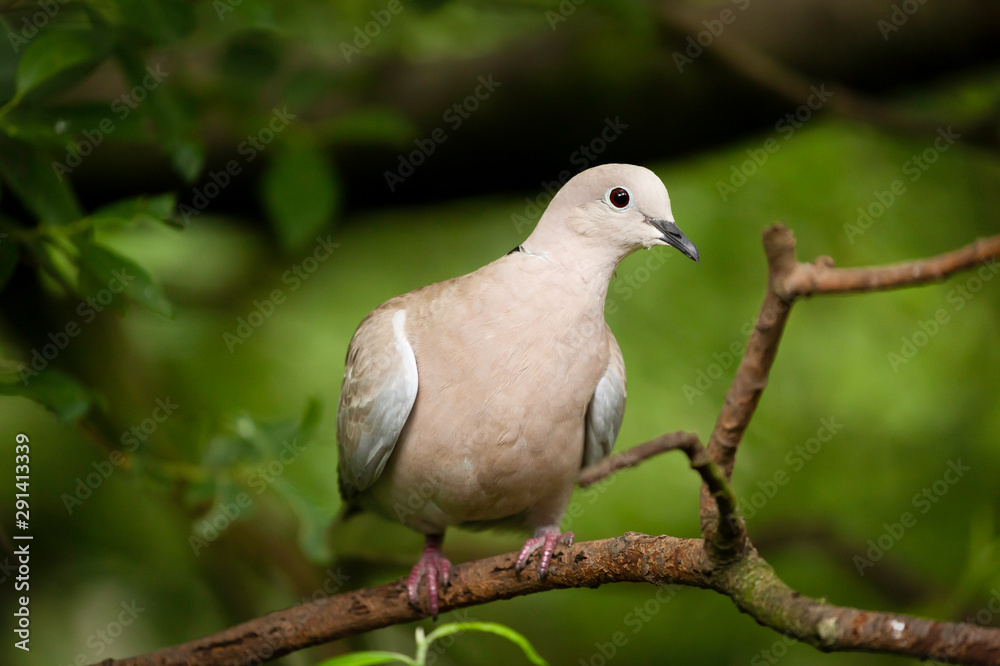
(433, 566)
(545, 538)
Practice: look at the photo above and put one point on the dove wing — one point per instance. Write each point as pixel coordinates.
(607, 406)
(379, 389)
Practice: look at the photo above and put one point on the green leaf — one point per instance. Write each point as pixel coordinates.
(314, 522)
(175, 123)
(8, 258)
(57, 392)
(487, 627)
(140, 209)
(300, 192)
(33, 179)
(63, 126)
(311, 419)
(188, 157)
(101, 269)
(57, 50)
(368, 659)
(226, 451)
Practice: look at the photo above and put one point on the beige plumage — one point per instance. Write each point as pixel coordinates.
(476, 400)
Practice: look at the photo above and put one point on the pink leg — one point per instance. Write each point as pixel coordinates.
(434, 566)
(545, 538)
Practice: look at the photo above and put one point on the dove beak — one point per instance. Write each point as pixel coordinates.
(674, 237)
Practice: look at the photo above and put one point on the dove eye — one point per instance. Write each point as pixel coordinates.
(619, 197)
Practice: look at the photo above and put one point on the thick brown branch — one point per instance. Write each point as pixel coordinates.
(630, 558)
(757, 590)
(634, 557)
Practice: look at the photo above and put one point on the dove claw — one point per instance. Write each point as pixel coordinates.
(545, 538)
(436, 568)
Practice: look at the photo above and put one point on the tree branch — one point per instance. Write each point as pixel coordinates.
(633, 557)
(821, 278)
(787, 280)
(632, 457)
(724, 561)
(752, 373)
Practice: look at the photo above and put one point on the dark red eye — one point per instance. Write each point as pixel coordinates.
(619, 197)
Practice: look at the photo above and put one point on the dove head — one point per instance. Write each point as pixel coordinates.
(612, 210)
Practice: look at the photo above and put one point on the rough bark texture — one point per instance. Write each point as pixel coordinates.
(724, 561)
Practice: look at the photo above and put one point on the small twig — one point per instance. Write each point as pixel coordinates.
(822, 278)
(632, 457)
(730, 542)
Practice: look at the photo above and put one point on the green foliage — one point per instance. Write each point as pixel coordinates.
(26, 171)
(424, 644)
(55, 391)
(300, 192)
(119, 122)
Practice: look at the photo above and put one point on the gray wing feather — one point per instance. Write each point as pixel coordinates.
(379, 389)
(606, 408)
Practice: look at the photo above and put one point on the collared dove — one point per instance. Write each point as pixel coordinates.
(477, 400)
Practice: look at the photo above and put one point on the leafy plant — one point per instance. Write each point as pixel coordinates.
(424, 645)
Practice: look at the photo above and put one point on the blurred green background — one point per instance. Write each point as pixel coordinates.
(228, 161)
